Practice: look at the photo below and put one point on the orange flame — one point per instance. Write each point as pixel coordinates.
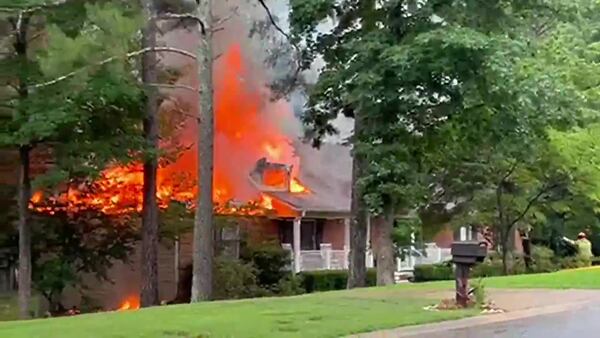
(297, 187)
(266, 202)
(131, 303)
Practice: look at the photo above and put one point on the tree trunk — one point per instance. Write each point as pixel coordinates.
(505, 249)
(386, 259)
(202, 279)
(149, 290)
(357, 274)
(24, 235)
(24, 228)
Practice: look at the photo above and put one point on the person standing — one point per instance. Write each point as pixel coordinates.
(583, 246)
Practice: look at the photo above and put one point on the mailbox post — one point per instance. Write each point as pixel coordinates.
(464, 256)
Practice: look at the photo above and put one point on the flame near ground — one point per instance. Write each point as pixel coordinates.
(248, 126)
(130, 303)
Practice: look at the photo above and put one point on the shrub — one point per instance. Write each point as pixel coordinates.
(433, 272)
(489, 268)
(479, 292)
(574, 262)
(234, 279)
(328, 280)
(291, 285)
(271, 263)
(543, 259)
(595, 261)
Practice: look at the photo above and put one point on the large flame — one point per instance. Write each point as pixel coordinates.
(248, 127)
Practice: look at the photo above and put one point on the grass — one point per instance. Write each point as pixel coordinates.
(330, 314)
(586, 278)
(9, 306)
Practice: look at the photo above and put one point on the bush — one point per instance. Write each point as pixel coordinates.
(271, 263)
(328, 280)
(574, 262)
(489, 268)
(479, 292)
(544, 260)
(291, 285)
(234, 279)
(433, 272)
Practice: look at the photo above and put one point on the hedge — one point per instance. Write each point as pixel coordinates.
(433, 272)
(328, 280)
(543, 261)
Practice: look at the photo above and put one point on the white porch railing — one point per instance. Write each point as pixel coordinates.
(324, 259)
(430, 255)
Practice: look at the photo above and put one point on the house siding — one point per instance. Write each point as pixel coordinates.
(333, 232)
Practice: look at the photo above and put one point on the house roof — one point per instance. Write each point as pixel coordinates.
(327, 173)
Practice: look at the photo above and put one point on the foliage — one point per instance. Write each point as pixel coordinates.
(67, 245)
(270, 260)
(290, 285)
(327, 280)
(479, 292)
(102, 104)
(543, 258)
(236, 280)
(574, 262)
(466, 122)
(433, 272)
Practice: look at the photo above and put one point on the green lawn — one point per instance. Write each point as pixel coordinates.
(588, 278)
(331, 314)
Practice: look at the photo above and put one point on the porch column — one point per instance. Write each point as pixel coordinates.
(346, 241)
(296, 247)
(369, 248)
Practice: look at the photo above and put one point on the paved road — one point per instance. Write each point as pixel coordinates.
(582, 322)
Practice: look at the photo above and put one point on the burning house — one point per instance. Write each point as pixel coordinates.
(304, 193)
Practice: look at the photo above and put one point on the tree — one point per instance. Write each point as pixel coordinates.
(439, 50)
(203, 225)
(500, 158)
(69, 244)
(41, 114)
(149, 289)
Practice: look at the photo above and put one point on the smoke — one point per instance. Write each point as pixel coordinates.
(249, 123)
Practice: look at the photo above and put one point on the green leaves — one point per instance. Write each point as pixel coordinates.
(93, 117)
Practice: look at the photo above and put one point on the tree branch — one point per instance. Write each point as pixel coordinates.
(31, 9)
(172, 86)
(510, 171)
(531, 202)
(224, 19)
(111, 59)
(286, 35)
(273, 21)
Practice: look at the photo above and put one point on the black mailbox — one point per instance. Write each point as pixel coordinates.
(468, 252)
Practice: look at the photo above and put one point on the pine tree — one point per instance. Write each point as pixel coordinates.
(203, 225)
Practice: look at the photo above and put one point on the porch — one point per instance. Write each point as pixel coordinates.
(319, 244)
